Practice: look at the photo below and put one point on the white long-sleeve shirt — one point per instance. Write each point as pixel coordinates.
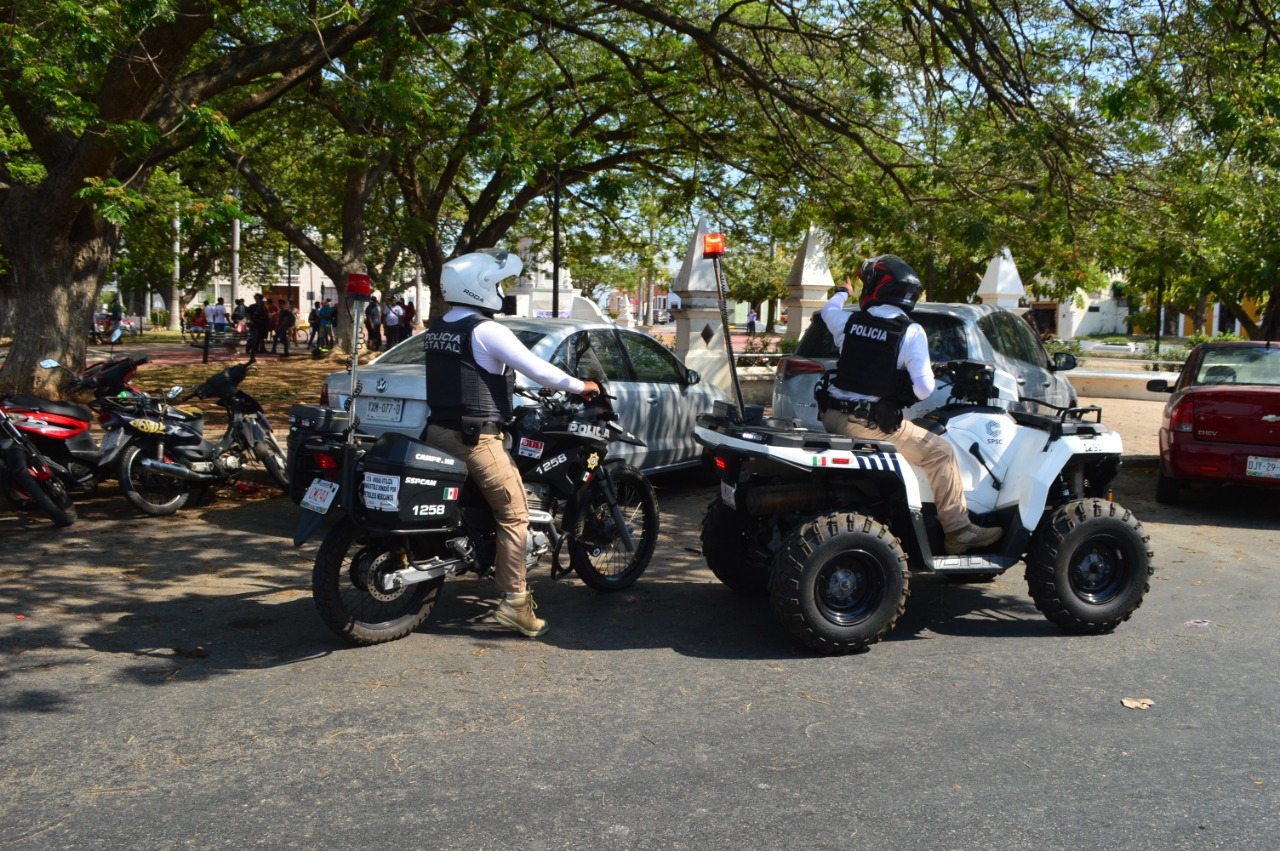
(913, 356)
(495, 345)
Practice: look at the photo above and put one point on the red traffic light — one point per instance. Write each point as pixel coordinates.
(713, 245)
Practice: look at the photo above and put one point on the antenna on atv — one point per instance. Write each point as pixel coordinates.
(713, 250)
(359, 289)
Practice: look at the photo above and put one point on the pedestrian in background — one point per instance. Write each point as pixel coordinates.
(286, 318)
(373, 324)
(217, 316)
(391, 321)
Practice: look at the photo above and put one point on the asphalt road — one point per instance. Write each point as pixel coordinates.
(168, 684)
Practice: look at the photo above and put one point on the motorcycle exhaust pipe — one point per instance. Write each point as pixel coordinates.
(176, 471)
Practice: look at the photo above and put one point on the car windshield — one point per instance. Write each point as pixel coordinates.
(410, 351)
(946, 338)
(1240, 366)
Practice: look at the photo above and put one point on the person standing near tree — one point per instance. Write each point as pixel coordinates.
(286, 318)
(373, 324)
(751, 321)
(391, 320)
(116, 314)
(259, 324)
(410, 317)
(217, 315)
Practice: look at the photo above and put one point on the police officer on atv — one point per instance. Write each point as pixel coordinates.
(471, 367)
(883, 367)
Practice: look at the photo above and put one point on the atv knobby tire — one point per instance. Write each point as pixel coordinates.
(839, 583)
(1089, 566)
(727, 548)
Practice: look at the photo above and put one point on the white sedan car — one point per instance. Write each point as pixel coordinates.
(658, 398)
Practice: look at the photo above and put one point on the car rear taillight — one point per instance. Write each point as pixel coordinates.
(721, 463)
(324, 395)
(1183, 417)
(793, 366)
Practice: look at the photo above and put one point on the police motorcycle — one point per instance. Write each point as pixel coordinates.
(410, 516)
(163, 457)
(831, 528)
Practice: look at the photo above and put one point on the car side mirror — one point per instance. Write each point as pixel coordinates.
(1159, 385)
(692, 377)
(1063, 361)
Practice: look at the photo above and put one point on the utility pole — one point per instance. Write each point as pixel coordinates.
(175, 289)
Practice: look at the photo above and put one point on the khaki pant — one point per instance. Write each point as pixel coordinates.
(499, 480)
(922, 449)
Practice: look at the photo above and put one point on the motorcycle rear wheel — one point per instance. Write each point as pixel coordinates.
(599, 556)
(47, 494)
(269, 453)
(151, 493)
(340, 585)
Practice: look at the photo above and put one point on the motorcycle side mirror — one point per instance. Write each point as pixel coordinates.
(115, 335)
(174, 392)
(49, 363)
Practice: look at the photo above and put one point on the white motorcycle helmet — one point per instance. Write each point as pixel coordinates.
(472, 279)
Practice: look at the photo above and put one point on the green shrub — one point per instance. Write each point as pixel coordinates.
(1069, 346)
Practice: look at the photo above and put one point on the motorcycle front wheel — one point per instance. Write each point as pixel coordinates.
(346, 588)
(151, 493)
(44, 492)
(273, 458)
(599, 555)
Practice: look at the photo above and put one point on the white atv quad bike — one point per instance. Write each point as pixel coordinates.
(830, 527)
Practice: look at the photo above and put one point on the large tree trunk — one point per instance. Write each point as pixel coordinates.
(57, 275)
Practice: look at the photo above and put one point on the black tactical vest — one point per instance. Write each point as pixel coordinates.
(457, 386)
(868, 363)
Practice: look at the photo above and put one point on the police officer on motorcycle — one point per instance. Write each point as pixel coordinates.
(883, 367)
(471, 367)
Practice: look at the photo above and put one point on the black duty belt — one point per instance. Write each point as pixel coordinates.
(485, 428)
(861, 408)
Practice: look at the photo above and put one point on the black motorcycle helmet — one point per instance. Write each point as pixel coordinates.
(889, 280)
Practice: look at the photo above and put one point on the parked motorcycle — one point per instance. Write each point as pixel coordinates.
(62, 431)
(27, 477)
(411, 516)
(165, 459)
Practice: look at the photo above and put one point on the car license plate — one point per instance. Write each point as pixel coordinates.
(319, 496)
(384, 410)
(1263, 467)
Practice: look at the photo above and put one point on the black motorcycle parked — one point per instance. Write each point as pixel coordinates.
(165, 459)
(411, 516)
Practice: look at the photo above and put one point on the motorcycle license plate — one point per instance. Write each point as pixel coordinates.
(319, 496)
(727, 492)
(1262, 467)
(109, 442)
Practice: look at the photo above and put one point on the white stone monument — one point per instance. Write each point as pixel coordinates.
(699, 329)
(809, 283)
(1002, 285)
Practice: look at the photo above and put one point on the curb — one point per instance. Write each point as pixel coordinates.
(1141, 462)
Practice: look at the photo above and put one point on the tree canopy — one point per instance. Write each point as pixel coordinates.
(1092, 137)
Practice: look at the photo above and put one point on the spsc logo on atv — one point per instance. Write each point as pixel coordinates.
(993, 432)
